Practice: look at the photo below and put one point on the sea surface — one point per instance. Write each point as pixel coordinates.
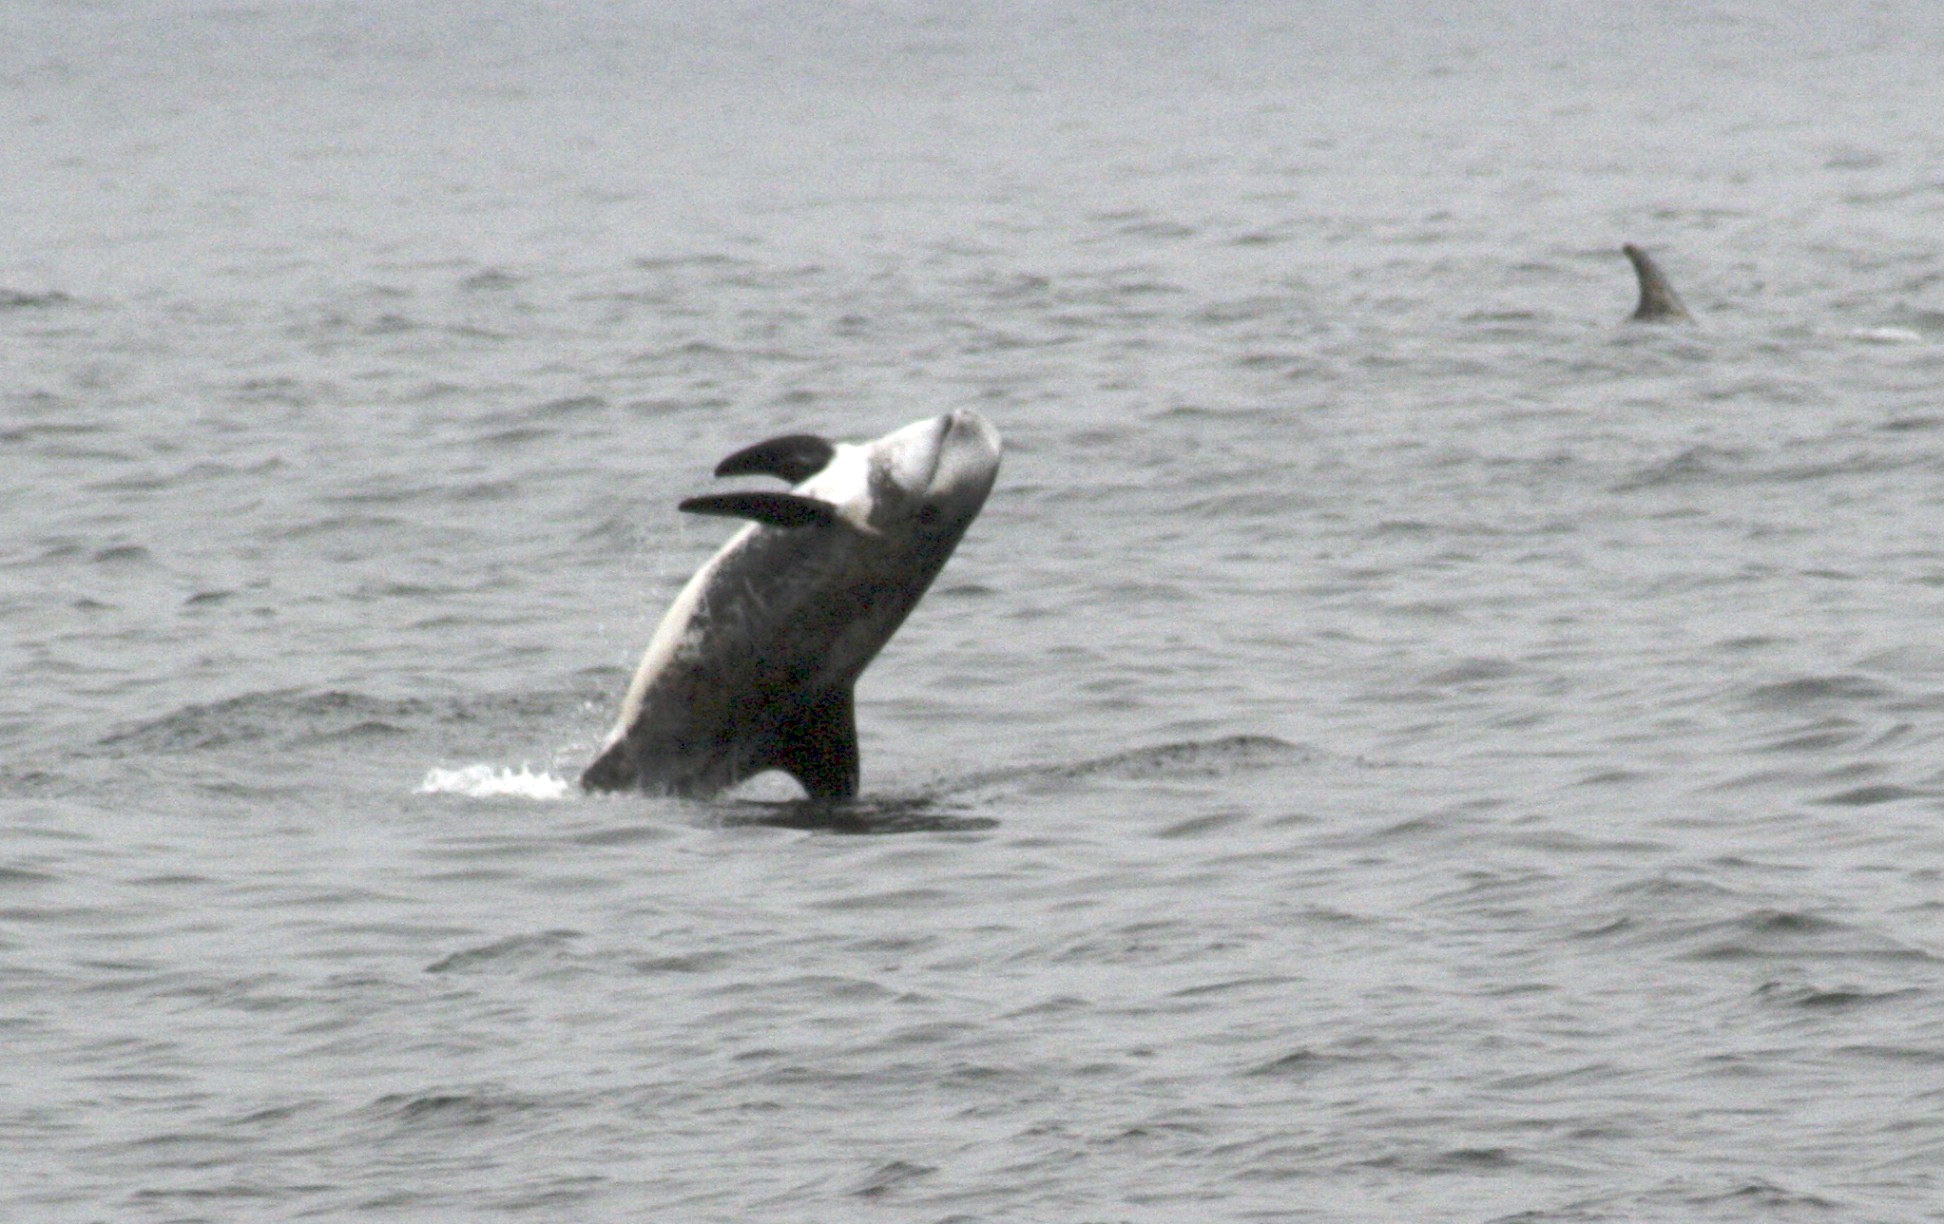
(1401, 743)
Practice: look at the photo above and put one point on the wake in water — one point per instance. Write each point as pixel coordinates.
(1185, 759)
(857, 817)
(940, 808)
(932, 809)
(944, 807)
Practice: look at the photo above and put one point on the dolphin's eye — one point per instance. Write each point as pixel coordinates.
(927, 515)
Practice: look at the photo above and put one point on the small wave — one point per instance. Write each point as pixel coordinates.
(1887, 335)
(1871, 796)
(297, 718)
(1193, 758)
(17, 299)
(1696, 464)
(489, 279)
(1817, 692)
(1708, 465)
(494, 782)
(434, 1110)
(888, 1178)
(1680, 1198)
(1186, 759)
(511, 952)
(1805, 995)
(868, 817)
(285, 716)
(1769, 934)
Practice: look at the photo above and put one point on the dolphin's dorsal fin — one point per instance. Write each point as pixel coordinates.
(817, 745)
(793, 457)
(1658, 301)
(770, 509)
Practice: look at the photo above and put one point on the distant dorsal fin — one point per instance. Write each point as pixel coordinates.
(771, 509)
(793, 457)
(1658, 301)
(817, 745)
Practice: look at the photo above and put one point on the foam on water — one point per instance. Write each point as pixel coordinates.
(495, 782)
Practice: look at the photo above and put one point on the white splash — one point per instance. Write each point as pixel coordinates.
(494, 782)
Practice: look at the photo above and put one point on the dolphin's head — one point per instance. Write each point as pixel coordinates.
(931, 478)
(916, 488)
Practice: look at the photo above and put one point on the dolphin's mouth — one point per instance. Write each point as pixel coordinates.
(965, 460)
(935, 453)
(911, 461)
(962, 421)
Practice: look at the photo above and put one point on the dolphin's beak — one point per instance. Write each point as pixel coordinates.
(968, 458)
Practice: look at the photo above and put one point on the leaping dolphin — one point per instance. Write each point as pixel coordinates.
(1658, 301)
(753, 666)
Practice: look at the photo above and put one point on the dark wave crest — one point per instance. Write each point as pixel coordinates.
(297, 718)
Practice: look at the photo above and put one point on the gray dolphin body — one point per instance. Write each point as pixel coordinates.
(1658, 301)
(753, 666)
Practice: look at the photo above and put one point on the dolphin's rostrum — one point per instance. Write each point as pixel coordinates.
(753, 666)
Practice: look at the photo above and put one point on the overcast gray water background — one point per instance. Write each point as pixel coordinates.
(1400, 744)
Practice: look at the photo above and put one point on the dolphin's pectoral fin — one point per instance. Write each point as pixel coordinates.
(615, 769)
(772, 509)
(794, 457)
(817, 745)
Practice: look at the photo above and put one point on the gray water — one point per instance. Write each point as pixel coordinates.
(1400, 743)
